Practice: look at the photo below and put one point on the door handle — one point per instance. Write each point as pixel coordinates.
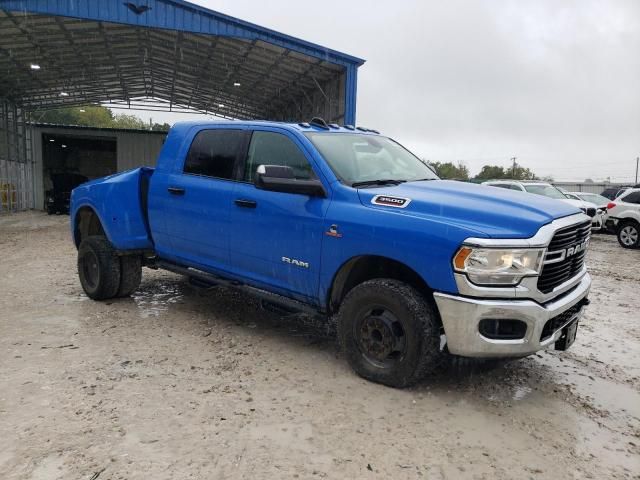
(241, 202)
(176, 190)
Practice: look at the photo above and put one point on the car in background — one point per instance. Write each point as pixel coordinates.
(615, 192)
(599, 201)
(624, 218)
(58, 198)
(594, 198)
(547, 190)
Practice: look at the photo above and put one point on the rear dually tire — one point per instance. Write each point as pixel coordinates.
(98, 268)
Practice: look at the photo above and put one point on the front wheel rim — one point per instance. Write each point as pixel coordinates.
(629, 235)
(380, 337)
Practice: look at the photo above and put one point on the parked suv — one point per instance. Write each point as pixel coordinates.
(624, 218)
(548, 190)
(58, 198)
(614, 192)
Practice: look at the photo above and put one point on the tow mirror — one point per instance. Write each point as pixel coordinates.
(280, 178)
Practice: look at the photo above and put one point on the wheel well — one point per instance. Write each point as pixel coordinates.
(86, 223)
(624, 221)
(363, 268)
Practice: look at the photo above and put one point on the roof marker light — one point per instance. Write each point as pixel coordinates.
(51, 140)
(35, 66)
(236, 84)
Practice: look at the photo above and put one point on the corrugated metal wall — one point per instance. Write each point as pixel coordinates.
(16, 165)
(584, 187)
(138, 149)
(134, 149)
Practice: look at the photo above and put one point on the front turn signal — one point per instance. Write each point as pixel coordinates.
(461, 257)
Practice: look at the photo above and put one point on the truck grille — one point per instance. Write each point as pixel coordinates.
(561, 263)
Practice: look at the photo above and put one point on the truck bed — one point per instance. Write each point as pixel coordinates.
(120, 202)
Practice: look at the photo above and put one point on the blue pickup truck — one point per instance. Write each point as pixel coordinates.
(344, 223)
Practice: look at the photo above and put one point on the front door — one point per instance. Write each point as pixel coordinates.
(276, 237)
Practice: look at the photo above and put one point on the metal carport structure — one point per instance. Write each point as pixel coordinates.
(166, 55)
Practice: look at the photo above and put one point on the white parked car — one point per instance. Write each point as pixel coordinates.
(624, 218)
(547, 190)
(598, 200)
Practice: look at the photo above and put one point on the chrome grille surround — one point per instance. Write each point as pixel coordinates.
(528, 287)
(565, 255)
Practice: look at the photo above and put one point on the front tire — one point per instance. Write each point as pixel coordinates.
(390, 333)
(98, 268)
(629, 234)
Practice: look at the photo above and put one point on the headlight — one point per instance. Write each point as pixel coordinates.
(498, 266)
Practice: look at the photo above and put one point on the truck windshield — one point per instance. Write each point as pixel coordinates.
(546, 191)
(358, 159)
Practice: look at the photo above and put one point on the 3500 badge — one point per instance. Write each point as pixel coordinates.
(390, 201)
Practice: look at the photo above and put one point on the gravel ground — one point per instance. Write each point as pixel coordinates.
(176, 383)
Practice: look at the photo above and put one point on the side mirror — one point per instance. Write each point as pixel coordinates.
(279, 178)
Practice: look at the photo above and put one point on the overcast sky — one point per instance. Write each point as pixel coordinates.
(554, 83)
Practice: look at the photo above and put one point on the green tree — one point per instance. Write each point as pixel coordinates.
(160, 127)
(491, 172)
(95, 116)
(495, 172)
(521, 173)
(129, 121)
(449, 170)
(91, 116)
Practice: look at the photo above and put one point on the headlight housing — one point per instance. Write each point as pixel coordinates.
(498, 266)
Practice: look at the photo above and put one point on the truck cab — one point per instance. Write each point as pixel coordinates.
(344, 223)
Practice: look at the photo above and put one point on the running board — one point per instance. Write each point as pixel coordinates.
(208, 279)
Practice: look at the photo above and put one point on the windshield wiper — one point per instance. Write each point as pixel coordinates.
(421, 179)
(366, 183)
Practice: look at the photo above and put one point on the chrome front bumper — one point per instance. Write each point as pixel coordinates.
(461, 317)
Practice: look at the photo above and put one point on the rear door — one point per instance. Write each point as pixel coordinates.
(198, 197)
(276, 237)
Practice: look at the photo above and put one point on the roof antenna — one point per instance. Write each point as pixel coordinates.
(319, 122)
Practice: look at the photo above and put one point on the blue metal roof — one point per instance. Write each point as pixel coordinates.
(175, 15)
(184, 18)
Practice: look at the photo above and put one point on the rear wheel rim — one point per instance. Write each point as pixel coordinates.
(629, 235)
(90, 269)
(380, 337)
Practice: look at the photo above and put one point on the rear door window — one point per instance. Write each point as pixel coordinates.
(215, 153)
(633, 197)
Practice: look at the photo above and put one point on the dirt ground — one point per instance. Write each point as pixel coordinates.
(177, 383)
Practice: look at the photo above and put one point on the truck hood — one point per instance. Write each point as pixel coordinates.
(487, 211)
